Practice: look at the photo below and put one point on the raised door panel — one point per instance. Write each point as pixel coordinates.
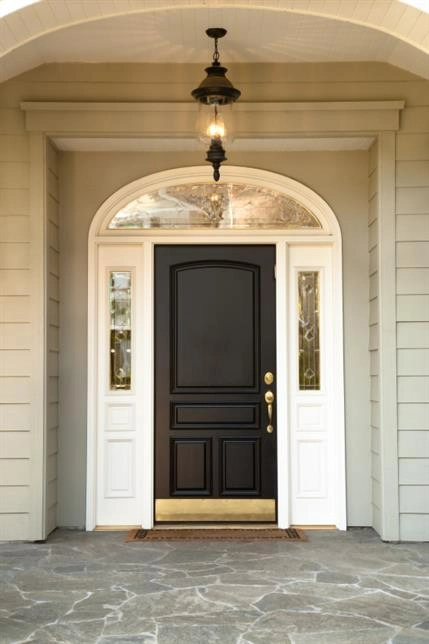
(215, 308)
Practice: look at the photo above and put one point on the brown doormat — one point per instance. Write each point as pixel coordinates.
(217, 534)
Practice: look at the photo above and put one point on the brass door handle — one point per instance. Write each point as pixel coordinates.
(269, 399)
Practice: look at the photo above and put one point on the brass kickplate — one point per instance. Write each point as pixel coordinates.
(215, 510)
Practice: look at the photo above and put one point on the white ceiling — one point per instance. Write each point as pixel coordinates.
(258, 31)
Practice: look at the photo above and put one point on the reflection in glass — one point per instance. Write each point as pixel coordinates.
(224, 205)
(308, 330)
(120, 329)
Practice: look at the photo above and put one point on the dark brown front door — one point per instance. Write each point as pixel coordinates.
(214, 343)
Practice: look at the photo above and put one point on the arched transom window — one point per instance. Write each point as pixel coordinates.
(226, 205)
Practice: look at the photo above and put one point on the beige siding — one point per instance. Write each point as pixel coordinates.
(52, 367)
(412, 249)
(15, 329)
(17, 251)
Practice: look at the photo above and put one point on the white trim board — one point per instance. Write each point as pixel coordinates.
(176, 144)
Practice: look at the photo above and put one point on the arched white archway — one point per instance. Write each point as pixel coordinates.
(303, 420)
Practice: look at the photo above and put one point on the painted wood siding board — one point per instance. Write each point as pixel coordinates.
(376, 494)
(14, 175)
(412, 147)
(53, 261)
(412, 174)
(15, 471)
(413, 389)
(376, 466)
(373, 260)
(52, 364)
(15, 282)
(412, 228)
(15, 390)
(374, 360)
(414, 444)
(51, 494)
(376, 518)
(51, 467)
(13, 526)
(52, 331)
(375, 388)
(15, 308)
(52, 210)
(52, 186)
(414, 527)
(412, 201)
(412, 281)
(15, 363)
(52, 440)
(11, 121)
(412, 254)
(14, 148)
(14, 228)
(373, 286)
(14, 202)
(14, 498)
(53, 312)
(14, 255)
(15, 444)
(413, 416)
(15, 417)
(414, 471)
(53, 287)
(15, 336)
(52, 415)
(414, 499)
(372, 209)
(52, 389)
(412, 308)
(413, 362)
(373, 187)
(372, 235)
(375, 439)
(413, 335)
(373, 311)
(415, 119)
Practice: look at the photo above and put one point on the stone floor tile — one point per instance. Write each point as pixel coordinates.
(94, 588)
(375, 636)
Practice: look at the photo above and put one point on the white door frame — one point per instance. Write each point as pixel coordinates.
(100, 237)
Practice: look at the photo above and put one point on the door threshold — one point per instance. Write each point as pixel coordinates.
(314, 527)
(214, 526)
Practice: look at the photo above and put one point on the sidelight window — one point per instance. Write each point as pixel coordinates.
(120, 329)
(309, 330)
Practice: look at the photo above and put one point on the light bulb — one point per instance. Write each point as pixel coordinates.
(216, 130)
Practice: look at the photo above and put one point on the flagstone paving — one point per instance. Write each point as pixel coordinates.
(94, 588)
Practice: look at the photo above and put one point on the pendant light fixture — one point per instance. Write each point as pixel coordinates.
(215, 96)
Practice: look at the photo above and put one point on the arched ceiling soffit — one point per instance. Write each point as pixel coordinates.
(259, 31)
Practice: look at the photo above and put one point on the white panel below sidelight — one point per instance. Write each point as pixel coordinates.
(310, 417)
(119, 468)
(311, 469)
(120, 417)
